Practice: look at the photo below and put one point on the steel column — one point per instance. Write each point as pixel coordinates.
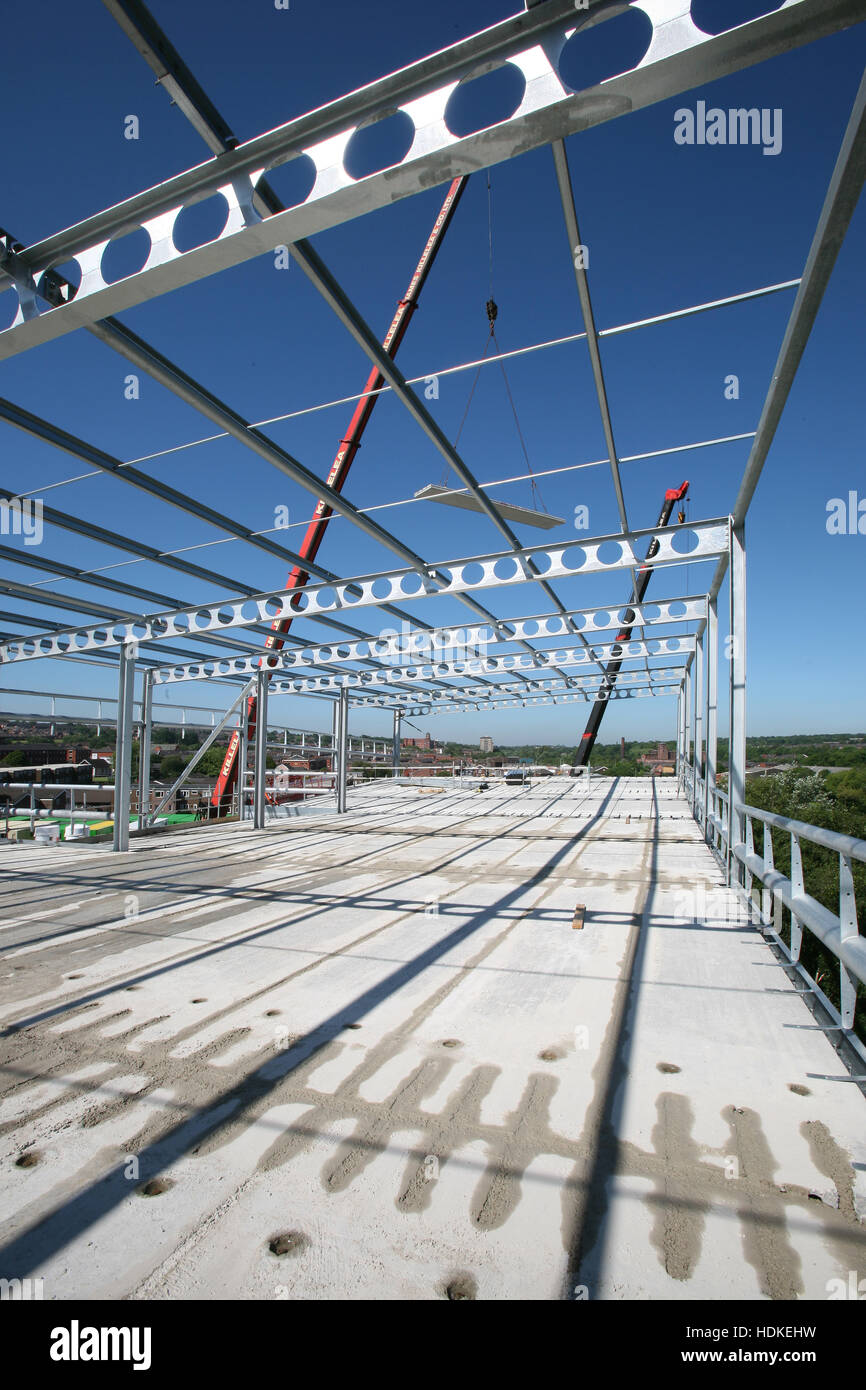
(123, 745)
(395, 742)
(711, 638)
(342, 749)
(243, 759)
(697, 801)
(261, 757)
(688, 712)
(144, 743)
(737, 682)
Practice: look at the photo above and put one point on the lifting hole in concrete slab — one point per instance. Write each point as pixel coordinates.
(288, 1243)
(461, 1288)
(155, 1187)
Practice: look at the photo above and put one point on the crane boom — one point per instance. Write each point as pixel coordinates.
(613, 667)
(349, 446)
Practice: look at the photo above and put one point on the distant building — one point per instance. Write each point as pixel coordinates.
(37, 754)
(424, 742)
(485, 744)
(661, 762)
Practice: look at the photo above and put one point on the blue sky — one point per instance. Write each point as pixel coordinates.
(667, 226)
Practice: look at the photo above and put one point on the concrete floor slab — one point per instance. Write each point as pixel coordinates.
(380, 1036)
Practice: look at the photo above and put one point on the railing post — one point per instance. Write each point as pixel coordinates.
(797, 891)
(737, 668)
(750, 885)
(847, 931)
(768, 898)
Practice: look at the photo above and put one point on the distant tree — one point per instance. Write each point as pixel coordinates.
(210, 763)
(171, 767)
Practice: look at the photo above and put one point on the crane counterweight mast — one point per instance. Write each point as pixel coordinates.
(613, 667)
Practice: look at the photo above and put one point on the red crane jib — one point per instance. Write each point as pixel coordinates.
(340, 468)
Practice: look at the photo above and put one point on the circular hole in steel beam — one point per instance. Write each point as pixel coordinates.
(597, 52)
(379, 146)
(480, 102)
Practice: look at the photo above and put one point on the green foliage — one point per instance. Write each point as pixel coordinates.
(210, 763)
(171, 766)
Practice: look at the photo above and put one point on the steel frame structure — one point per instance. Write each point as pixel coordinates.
(679, 56)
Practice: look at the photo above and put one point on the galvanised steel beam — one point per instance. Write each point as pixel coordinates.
(566, 194)
(550, 680)
(51, 599)
(427, 669)
(566, 560)
(475, 706)
(679, 56)
(55, 600)
(171, 71)
(415, 641)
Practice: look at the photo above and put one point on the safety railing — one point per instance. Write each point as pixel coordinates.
(838, 932)
(768, 893)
